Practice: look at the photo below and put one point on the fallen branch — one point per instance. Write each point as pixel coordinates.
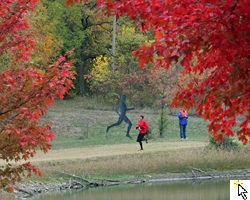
(74, 176)
(113, 183)
(108, 180)
(25, 191)
(193, 173)
(79, 183)
(137, 181)
(214, 171)
(199, 170)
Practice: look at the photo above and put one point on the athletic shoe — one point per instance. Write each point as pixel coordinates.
(146, 140)
(140, 150)
(181, 138)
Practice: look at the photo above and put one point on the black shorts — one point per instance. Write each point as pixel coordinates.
(140, 137)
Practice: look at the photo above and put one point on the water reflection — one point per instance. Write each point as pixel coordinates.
(188, 190)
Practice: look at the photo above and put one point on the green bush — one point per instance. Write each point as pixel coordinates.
(228, 143)
(162, 123)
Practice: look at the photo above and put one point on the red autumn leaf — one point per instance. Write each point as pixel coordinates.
(196, 81)
(179, 86)
(158, 35)
(25, 94)
(190, 86)
(185, 62)
(218, 35)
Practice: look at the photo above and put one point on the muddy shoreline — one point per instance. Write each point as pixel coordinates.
(31, 189)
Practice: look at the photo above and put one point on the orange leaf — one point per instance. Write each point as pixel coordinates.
(158, 35)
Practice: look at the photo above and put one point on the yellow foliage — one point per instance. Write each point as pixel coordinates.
(126, 29)
(149, 42)
(47, 45)
(101, 69)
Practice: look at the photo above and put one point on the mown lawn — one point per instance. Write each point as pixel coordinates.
(78, 123)
(77, 126)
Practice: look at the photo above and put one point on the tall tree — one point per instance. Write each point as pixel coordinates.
(25, 95)
(96, 29)
(217, 33)
(81, 27)
(128, 39)
(127, 77)
(47, 44)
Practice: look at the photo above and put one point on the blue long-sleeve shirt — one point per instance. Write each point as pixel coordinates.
(182, 121)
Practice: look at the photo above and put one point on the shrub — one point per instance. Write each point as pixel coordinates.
(162, 123)
(228, 143)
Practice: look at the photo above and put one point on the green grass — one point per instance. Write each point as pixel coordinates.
(117, 135)
(73, 120)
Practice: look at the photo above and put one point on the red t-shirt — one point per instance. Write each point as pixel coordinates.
(144, 124)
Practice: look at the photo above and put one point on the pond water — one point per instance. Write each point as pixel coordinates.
(184, 190)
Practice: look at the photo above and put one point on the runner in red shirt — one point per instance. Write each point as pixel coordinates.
(142, 126)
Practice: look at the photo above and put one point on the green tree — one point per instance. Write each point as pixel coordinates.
(162, 123)
(83, 28)
(127, 78)
(128, 39)
(47, 44)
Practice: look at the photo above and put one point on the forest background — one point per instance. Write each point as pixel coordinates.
(82, 27)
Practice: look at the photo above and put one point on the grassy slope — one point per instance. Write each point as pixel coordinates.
(118, 156)
(71, 120)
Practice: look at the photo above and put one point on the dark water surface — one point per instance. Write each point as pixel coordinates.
(185, 190)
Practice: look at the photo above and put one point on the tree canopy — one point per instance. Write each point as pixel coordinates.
(26, 93)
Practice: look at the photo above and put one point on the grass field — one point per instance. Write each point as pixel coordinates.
(80, 145)
(77, 126)
(137, 165)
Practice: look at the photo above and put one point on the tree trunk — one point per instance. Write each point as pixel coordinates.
(113, 43)
(162, 123)
(82, 65)
(81, 78)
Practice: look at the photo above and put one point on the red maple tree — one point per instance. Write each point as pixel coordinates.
(217, 33)
(25, 94)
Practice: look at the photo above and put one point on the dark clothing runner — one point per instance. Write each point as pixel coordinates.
(142, 126)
